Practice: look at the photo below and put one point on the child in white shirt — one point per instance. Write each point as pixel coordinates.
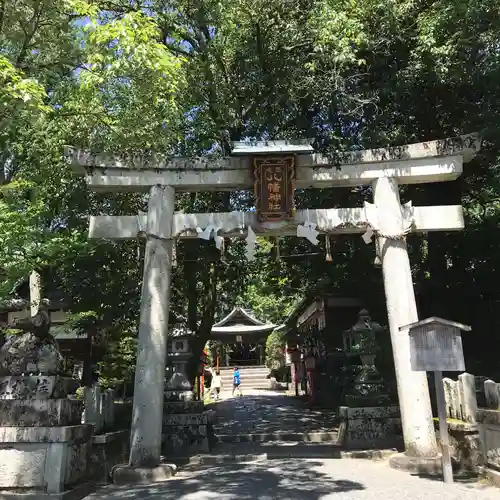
(216, 385)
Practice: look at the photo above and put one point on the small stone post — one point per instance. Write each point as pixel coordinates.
(467, 388)
(93, 407)
(413, 390)
(443, 428)
(147, 413)
(492, 394)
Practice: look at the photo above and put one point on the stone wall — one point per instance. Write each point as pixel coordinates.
(474, 432)
(111, 422)
(490, 436)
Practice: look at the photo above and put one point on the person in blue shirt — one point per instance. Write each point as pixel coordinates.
(236, 381)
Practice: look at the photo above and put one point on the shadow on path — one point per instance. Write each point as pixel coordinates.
(283, 479)
(269, 413)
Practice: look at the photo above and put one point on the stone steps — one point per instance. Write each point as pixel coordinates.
(281, 438)
(252, 377)
(248, 381)
(244, 369)
(247, 376)
(249, 367)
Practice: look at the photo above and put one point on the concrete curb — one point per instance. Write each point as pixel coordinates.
(285, 453)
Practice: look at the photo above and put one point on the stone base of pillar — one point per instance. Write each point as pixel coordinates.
(429, 466)
(125, 474)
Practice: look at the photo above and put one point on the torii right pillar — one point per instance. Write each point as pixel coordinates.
(416, 413)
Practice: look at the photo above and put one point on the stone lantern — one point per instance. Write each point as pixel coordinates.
(368, 420)
(178, 385)
(361, 340)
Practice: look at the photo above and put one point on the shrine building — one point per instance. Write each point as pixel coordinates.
(241, 338)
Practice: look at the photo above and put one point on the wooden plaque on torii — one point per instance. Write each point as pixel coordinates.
(274, 185)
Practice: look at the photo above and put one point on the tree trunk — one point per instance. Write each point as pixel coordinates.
(191, 280)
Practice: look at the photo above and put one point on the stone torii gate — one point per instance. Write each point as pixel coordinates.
(387, 219)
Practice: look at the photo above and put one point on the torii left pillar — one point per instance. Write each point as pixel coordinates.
(147, 414)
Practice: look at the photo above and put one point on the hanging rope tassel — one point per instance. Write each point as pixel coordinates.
(223, 252)
(174, 253)
(328, 256)
(377, 262)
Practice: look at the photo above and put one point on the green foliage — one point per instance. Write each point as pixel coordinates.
(130, 85)
(209, 350)
(268, 291)
(21, 98)
(275, 350)
(118, 365)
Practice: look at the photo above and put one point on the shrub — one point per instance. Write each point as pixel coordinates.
(275, 350)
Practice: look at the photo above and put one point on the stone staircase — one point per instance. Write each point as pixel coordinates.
(252, 377)
(267, 425)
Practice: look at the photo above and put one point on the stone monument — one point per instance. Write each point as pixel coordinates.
(44, 448)
(368, 420)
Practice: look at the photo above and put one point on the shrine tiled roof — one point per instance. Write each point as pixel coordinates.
(241, 321)
(242, 329)
(239, 313)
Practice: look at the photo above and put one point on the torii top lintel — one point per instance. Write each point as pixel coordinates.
(425, 162)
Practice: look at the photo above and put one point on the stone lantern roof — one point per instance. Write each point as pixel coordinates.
(178, 330)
